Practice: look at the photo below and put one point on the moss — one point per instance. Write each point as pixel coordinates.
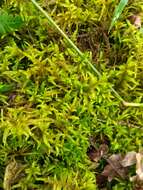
(52, 103)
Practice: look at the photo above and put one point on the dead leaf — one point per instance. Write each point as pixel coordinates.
(115, 162)
(138, 185)
(103, 149)
(109, 172)
(12, 172)
(135, 20)
(139, 166)
(96, 154)
(138, 178)
(101, 181)
(117, 166)
(129, 159)
(139, 188)
(114, 168)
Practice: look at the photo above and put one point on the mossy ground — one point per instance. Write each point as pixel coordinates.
(53, 103)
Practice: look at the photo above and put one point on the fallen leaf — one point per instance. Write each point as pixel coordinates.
(114, 168)
(12, 173)
(135, 20)
(138, 178)
(109, 172)
(103, 149)
(101, 181)
(138, 185)
(115, 162)
(117, 166)
(96, 154)
(139, 188)
(139, 166)
(129, 159)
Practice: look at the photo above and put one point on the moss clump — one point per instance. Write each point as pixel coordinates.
(52, 103)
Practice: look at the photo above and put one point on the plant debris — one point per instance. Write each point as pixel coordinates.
(136, 21)
(129, 159)
(114, 168)
(118, 165)
(55, 110)
(96, 154)
(13, 172)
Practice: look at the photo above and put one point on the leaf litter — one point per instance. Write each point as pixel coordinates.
(118, 165)
(13, 172)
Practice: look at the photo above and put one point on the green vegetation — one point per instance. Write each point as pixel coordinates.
(9, 23)
(54, 108)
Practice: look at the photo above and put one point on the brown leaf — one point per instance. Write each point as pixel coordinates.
(139, 188)
(138, 178)
(12, 172)
(135, 20)
(96, 154)
(139, 166)
(103, 149)
(101, 181)
(109, 172)
(93, 154)
(114, 168)
(136, 181)
(129, 159)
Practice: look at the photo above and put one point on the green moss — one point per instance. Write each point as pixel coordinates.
(51, 101)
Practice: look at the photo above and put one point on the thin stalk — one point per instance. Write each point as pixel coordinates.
(54, 25)
(132, 104)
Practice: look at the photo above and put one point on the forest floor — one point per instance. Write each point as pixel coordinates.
(64, 126)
